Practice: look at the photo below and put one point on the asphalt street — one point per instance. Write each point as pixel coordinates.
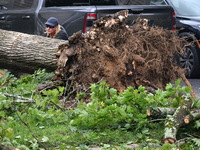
(196, 86)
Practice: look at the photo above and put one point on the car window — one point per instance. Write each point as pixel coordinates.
(103, 2)
(157, 2)
(5, 4)
(141, 2)
(186, 7)
(18, 4)
(57, 3)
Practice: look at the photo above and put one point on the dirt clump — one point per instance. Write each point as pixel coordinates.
(121, 55)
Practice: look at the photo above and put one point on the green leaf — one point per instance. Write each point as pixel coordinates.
(196, 141)
(197, 124)
(177, 82)
(169, 86)
(45, 139)
(186, 89)
(9, 132)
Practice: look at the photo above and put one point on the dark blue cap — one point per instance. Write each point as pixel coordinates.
(52, 21)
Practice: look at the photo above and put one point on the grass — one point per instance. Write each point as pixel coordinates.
(62, 134)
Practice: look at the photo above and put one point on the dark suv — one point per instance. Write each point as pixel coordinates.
(188, 24)
(29, 16)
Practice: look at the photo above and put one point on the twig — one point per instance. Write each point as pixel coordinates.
(76, 101)
(156, 120)
(20, 99)
(57, 105)
(26, 124)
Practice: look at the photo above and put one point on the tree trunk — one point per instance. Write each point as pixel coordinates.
(27, 53)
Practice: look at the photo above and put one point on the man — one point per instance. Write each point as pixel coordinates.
(54, 30)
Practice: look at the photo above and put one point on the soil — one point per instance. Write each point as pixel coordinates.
(121, 55)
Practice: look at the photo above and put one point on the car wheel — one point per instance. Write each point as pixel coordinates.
(190, 62)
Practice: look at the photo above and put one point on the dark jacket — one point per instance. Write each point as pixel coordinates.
(60, 34)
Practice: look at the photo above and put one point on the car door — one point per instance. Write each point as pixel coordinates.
(20, 17)
(5, 5)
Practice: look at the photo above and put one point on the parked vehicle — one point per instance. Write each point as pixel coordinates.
(29, 16)
(188, 24)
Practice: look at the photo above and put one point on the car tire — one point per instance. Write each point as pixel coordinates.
(190, 62)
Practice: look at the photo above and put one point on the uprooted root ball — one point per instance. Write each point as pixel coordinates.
(121, 55)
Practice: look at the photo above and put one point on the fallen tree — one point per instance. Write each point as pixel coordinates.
(123, 56)
(27, 53)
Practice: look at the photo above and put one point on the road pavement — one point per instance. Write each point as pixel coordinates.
(196, 86)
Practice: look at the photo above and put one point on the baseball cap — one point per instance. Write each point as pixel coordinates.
(52, 21)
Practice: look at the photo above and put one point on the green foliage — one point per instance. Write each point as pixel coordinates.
(110, 109)
(52, 96)
(110, 120)
(196, 141)
(197, 124)
(172, 96)
(5, 131)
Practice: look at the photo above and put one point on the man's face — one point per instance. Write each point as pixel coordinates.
(50, 29)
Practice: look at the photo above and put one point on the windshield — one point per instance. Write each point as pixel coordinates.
(187, 7)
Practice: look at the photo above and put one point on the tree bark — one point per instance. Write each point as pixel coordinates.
(192, 116)
(162, 112)
(173, 123)
(27, 53)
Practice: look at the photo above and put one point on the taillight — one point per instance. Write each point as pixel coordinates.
(88, 21)
(173, 21)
